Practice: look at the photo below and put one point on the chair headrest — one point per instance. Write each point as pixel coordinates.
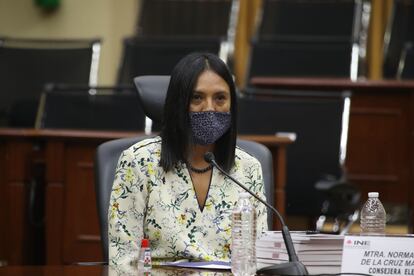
(152, 91)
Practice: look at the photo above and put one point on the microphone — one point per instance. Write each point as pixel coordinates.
(294, 266)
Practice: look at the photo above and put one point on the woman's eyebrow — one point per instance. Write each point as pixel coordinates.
(222, 92)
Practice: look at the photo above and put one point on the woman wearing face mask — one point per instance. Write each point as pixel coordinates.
(164, 190)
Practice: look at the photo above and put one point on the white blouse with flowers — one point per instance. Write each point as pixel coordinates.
(148, 202)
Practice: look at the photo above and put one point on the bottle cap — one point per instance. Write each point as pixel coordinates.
(373, 194)
(244, 195)
(145, 243)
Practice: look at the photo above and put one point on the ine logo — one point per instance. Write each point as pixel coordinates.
(357, 243)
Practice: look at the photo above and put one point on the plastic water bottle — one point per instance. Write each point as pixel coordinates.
(373, 216)
(144, 262)
(243, 250)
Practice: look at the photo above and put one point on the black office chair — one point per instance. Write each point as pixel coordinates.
(316, 59)
(341, 204)
(158, 55)
(93, 108)
(26, 65)
(296, 32)
(184, 17)
(108, 154)
(306, 19)
(319, 121)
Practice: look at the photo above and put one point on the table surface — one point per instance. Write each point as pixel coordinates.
(100, 270)
(92, 134)
(331, 83)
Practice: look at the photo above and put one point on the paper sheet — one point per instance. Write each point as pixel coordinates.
(206, 265)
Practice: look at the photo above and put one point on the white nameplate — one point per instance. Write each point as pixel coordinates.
(378, 255)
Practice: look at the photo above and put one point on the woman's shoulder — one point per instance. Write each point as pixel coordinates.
(145, 146)
(244, 156)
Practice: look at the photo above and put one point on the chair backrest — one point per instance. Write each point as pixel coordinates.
(263, 154)
(27, 65)
(106, 160)
(307, 19)
(317, 120)
(158, 55)
(83, 107)
(292, 32)
(398, 32)
(184, 17)
(152, 91)
(406, 65)
(317, 59)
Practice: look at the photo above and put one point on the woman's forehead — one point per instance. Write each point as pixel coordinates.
(209, 79)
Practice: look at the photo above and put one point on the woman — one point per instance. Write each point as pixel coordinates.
(166, 191)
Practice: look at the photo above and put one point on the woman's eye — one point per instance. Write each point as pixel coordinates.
(195, 98)
(221, 98)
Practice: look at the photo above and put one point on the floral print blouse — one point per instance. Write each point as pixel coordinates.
(148, 202)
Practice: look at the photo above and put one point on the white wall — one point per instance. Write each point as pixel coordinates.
(110, 20)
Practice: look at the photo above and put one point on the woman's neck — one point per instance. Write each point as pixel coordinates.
(196, 157)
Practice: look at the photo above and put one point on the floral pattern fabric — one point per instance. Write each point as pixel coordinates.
(162, 206)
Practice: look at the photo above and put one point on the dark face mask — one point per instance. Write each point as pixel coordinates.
(209, 126)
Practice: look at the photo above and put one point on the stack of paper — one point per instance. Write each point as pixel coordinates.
(320, 253)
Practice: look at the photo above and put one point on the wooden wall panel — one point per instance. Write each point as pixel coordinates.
(54, 201)
(380, 13)
(378, 159)
(82, 241)
(3, 204)
(17, 175)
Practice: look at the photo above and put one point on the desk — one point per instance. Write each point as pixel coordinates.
(80, 270)
(380, 150)
(62, 162)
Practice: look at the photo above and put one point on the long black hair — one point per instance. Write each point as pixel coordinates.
(176, 132)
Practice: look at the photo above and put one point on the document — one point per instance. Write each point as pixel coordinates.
(200, 265)
(320, 253)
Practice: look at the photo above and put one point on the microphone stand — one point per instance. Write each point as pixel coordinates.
(294, 267)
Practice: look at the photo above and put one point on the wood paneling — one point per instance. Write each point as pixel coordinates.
(16, 178)
(378, 156)
(54, 201)
(81, 225)
(246, 28)
(3, 203)
(380, 12)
